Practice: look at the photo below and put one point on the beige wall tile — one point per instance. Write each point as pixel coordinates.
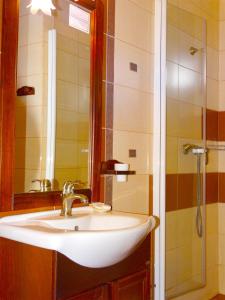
(222, 65)
(171, 266)
(221, 207)
(130, 22)
(67, 67)
(193, 62)
(212, 218)
(28, 121)
(184, 268)
(222, 10)
(66, 154)
(172, 118)
(171, 232)
(83, 99)
(190, 121)
(171, 155)
(184, 120)
(133, 195)
(212, 63)
(84, 51)
(172, 51)
(222, 279)
(213, 162)
(66, 125)
(67, 95)
(123, 141)
(31, 29)
(67, 44)
(212, 250)
(31, 60)
(184, 232)
(221, 160)
(212, 94)
(133, 110)
(221, 95)
(84, 72)
(146, 4)
(172, 83)
(142, 79)
(190, 89)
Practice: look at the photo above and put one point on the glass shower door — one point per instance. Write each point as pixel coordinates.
(185, 152)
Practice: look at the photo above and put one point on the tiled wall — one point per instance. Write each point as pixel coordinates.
(31, 110)
(73, 100)
(184, 125)
(221, 156)
(133, 102)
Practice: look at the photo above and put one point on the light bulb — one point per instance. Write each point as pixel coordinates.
(44, 5)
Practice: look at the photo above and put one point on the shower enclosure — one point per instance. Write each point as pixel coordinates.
(185, 152)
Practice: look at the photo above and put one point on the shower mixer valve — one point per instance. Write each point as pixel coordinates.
(196, 150)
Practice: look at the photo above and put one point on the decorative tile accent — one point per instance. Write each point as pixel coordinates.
(186, 190)
(221, 197)
(109, 106)
(171, 192)
(111, 17)
(181, 190)
(212, 181)
(212, 125)
(221, 126)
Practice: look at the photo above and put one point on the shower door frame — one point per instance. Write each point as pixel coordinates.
(159, 151)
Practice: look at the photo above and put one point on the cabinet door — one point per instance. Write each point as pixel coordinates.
(133, 287)
(100, 293)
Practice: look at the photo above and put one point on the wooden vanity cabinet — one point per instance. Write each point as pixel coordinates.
(32, 273)
(133, 287)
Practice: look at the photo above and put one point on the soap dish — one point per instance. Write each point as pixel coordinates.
(101, 207)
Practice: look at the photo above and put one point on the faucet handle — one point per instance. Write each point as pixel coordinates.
(67, 187)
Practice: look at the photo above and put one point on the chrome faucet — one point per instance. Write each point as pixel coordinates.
(68, 196)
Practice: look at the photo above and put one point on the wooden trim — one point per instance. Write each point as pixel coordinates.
(7, 106)
(97, 29)
(7, 100)
(38, 200)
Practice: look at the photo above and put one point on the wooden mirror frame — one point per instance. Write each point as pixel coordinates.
(9, 47)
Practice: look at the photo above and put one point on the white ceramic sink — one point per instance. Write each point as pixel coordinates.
(88, 238)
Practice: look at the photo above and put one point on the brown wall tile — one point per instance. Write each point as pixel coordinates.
(218, 297)
(171, 192)
(186, 190)
(212, 187)
(221, 196)
(221, 126)
(211, 125)
(111, 17)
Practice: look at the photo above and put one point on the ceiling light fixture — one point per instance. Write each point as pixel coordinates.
(44, 5)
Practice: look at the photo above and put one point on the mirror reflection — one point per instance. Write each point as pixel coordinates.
(53, 98)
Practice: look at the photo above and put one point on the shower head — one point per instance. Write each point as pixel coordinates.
(193, 50)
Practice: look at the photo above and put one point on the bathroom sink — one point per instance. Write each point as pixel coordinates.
(89, 238)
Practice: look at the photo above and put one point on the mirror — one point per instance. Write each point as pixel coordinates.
(53, 105)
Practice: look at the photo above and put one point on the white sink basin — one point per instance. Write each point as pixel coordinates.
(89, 238)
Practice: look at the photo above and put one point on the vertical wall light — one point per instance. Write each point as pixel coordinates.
(46, 6)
